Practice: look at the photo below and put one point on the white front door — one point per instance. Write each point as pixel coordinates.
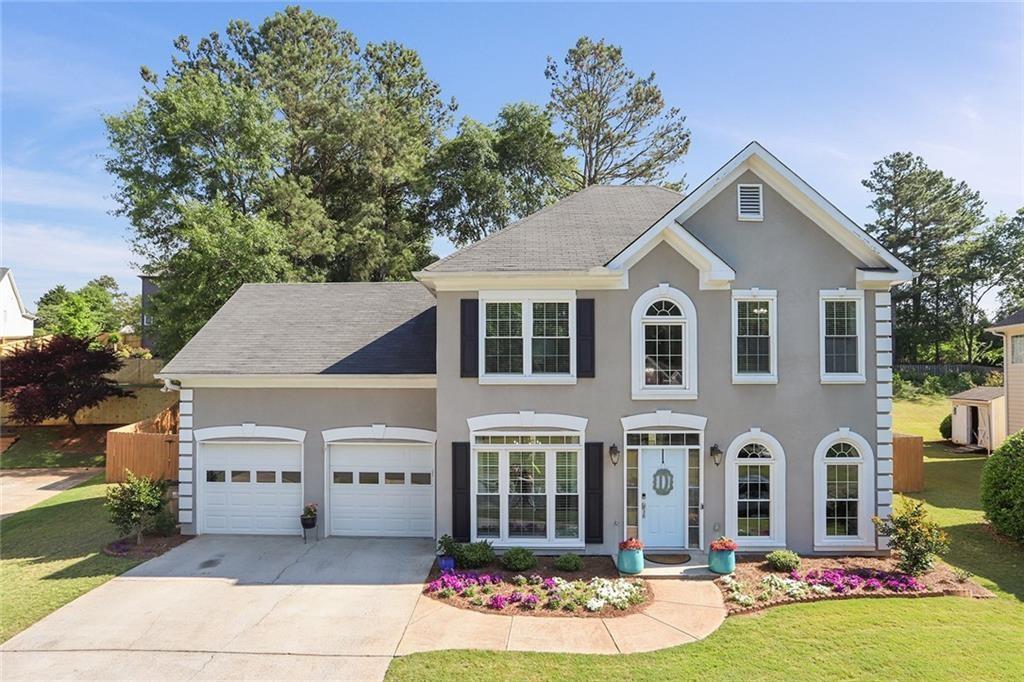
(250, 488)
(663, 497)
(381, 489)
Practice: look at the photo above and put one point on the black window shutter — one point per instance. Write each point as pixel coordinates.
(470, 332)
(593, 492)
(460, 491)
(585, 358)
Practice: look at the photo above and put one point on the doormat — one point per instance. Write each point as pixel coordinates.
(667, 559)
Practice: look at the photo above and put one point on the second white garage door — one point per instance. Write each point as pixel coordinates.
(381, 489)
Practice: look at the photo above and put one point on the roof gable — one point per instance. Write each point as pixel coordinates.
(881, 265)
(8, 276)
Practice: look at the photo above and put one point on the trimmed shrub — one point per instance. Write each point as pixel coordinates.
(164, 523)
(570, 563)
(518, 559)
(134, 504)
(1002, 487)
(475, 554)
(917, 539)
(946, 427)
(783, 560)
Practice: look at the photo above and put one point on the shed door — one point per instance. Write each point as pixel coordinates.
(381, 489)
(250, 488)
(960, 424)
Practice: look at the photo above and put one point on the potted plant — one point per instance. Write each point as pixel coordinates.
(308, 518)
(631, 556)
(722, 559)
(446, 548)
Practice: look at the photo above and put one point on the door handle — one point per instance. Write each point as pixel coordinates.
(643, 506)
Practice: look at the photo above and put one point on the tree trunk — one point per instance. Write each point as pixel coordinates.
(71, 420)
(138, 535)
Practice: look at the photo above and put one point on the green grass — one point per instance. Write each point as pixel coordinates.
(51, 554)
(937, 638)
(42, 447)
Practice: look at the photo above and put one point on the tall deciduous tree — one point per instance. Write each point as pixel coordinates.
(99, 306)
(616, 122)
(489, 175)
(58, 379)
(921, 213)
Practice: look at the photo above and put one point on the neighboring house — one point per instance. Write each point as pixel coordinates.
(16, 322)
(150, 285)
(624, 362)
(979, 417)
(1012, 330)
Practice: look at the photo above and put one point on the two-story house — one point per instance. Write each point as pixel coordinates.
(625, 362)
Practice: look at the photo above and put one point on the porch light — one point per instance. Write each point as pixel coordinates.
(716, 454)
(613, 454)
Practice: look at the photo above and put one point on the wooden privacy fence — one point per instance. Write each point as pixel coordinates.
(907, 463)
(146, 448)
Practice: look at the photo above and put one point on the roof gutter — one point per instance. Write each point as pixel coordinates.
(595, 278)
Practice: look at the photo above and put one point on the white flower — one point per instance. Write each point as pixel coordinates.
(595, 604)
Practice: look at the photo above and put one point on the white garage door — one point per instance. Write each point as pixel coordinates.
(382, 490)
(253, 488)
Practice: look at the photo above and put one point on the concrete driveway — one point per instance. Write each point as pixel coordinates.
(234, 607)
(21, 488)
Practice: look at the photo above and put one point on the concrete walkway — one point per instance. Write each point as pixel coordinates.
(22, 488)
(682, 611)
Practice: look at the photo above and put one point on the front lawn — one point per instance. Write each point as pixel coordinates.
(933, 638)
(52, 553)
(55, 446)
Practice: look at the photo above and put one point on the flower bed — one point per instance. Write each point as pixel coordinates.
(755, 586)
(152, 546)
(595, 591)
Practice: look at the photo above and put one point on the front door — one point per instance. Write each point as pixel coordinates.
(663, 497)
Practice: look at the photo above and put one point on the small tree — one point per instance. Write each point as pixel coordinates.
(916, 538)
(134, 504)
(58, 378)
(1002, 487)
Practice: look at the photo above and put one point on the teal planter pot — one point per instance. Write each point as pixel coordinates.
(631, 561)
(722, 563)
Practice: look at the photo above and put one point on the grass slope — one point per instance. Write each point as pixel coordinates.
(51, 553)
(55, 446)
(942, 638)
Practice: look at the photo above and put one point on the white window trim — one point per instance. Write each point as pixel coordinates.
(640, 390)
(249, 430)
(865, 489)
(772, 296)
(739, 211)
(777, 504)
(378, 432)
(550, 474)
(527, 299)
(1015, 337)
(842, 295)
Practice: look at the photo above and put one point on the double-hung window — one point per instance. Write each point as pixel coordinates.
(527, 488)
(528, 337)
(754, 337)
(664, 345)
(844, 484)
(841, 316)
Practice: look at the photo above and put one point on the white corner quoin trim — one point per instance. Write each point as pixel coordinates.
(527, 420)
(378, 432)
(663, 419)
(249, 430)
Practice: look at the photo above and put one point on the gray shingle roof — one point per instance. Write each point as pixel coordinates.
(979, 393)
(586, 229)
(334, 328)
(1011, 319)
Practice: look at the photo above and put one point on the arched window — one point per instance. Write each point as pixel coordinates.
(756, 490)
(843, 479)
(664, 345)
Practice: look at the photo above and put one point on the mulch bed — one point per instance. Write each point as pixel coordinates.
(152, 546)
(593, 567)
(940, 581)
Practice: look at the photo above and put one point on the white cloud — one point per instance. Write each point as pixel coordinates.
(42, 256)
(53, 190)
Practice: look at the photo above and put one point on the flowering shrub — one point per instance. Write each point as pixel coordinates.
(631, 544)
(724, 544)
(553, 593)
(309, 511)
(916, 538)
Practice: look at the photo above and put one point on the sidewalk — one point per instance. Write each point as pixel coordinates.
(681, 611)
(22, 488)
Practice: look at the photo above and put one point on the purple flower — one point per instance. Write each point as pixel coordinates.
(498, 602)
(872, 584)
(515, 597)
(530, 601)
(549, 584)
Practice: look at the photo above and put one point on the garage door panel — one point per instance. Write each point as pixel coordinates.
(363, 502)
(237, 495)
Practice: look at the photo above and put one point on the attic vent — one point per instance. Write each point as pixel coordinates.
(748, 198)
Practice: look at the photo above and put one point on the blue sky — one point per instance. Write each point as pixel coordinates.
(828, 88)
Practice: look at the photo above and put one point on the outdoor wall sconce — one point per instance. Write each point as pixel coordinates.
(716, 454)
(613, 454)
